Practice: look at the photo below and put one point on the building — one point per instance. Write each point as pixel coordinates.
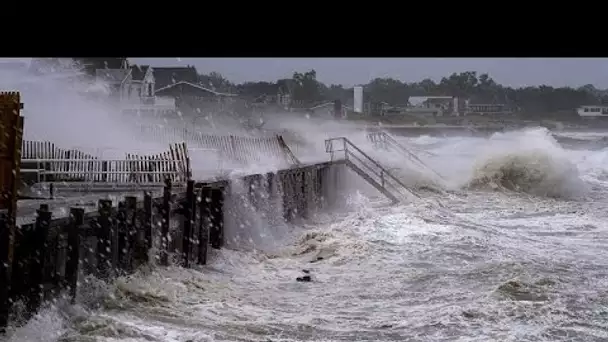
(142, 82)
(487, 109)
(592, 112)
(432, 105)
(135, 90)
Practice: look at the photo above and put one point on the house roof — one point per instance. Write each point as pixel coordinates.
(139, 72)
(189, 84)
(164, 77)
(112, 75)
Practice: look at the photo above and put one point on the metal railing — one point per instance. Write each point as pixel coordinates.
(367, 164)
(383, 140)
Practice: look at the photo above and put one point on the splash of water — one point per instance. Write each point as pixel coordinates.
(528, 161)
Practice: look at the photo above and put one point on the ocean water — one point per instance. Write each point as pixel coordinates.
(509, 242)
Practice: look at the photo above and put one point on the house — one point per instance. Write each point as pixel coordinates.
(142, 82)
(429, 105)
(332, 109)
(592, 111)
(487, 109)
(134, 88)
(285, 92)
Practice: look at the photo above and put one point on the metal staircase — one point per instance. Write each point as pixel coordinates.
(384, 141)
(375, 174)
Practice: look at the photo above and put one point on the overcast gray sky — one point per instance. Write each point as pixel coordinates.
(349, 71)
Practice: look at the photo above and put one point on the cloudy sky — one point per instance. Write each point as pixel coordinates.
(350, 71)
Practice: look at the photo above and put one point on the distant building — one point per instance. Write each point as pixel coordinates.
(328, 109)
(487, 109)
(593, 112)
(134, 89)
(432, 105)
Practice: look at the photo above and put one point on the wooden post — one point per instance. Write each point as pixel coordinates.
(216, 234)
(166, 220)
(303, 194)
(188, 220)
(204, 222)
(130, 232)
(104, 238)
(104, 169)
(120, 240)
(147, 227)
(71, 267)
(11, 132)
(270, 179)
(289, 196)
(37, 258)
(5, 275)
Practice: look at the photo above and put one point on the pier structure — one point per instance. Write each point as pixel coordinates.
(175, 219)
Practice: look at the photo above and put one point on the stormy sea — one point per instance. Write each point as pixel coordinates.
(508, 242)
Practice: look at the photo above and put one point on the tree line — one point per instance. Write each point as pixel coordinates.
(531, 101)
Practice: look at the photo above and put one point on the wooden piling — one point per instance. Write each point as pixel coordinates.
(104, 238)
(71, 267)
(188, 220)
(120, 251)
(5, 274)
(216, 233)
(11, 134)
(166, 221)
(130, 233)
(37, 258)
(205, 224)
(303, 209)
(146, 225)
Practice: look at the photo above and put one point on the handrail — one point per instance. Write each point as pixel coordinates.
(395, 144)
(347, 143)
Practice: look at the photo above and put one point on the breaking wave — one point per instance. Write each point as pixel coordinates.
(528, 161)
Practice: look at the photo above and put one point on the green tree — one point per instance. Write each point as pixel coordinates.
(306, 88)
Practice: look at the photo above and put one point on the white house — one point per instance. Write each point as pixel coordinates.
(134, 87)
(432, 105)
(592, 111)
(142, 82)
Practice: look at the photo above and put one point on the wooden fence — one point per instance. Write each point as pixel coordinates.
(44, 162)
(244, 150)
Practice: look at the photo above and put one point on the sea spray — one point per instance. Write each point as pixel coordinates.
(528, 161)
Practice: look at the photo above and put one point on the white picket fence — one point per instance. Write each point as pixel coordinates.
(52, 164)
(244, 150)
